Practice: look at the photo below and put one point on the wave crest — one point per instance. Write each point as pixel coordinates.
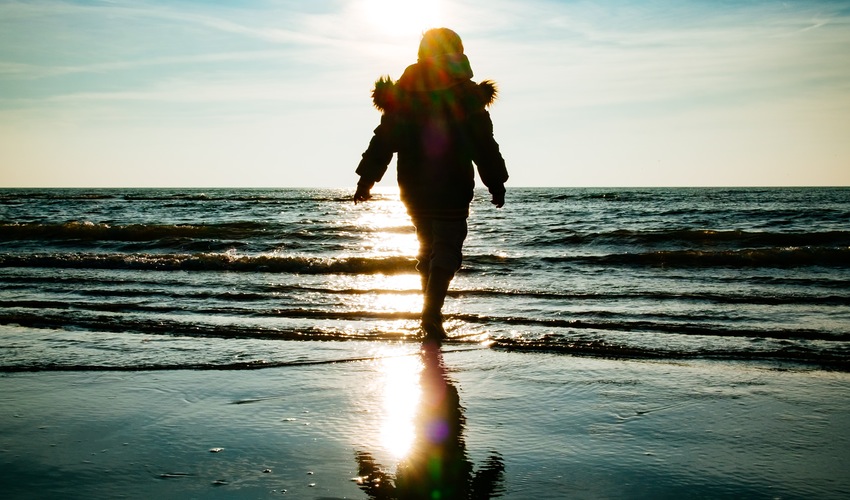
(215, 262)
(92, 231)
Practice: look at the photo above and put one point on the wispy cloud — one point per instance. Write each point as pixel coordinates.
(201, 53)
(585, 55)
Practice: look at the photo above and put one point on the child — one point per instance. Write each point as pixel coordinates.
(435, 118)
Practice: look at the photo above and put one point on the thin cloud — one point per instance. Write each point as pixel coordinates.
(627, 62)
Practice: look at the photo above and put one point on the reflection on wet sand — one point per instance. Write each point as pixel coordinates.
(436, 465)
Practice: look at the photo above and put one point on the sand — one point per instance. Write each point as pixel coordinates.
(528, 426)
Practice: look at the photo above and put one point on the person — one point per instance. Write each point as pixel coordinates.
(435, 117)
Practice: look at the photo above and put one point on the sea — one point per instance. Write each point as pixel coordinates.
(231, 279)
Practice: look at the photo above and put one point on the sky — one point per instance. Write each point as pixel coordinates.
(255, 93)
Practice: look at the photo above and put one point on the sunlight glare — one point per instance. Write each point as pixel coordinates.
(401, 401)
(403, 17)
(386, 227)
(385, 232)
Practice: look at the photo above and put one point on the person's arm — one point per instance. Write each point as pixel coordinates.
(375, 159)
(488, 158)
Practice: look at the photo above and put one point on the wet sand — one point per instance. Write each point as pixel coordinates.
(495, 423)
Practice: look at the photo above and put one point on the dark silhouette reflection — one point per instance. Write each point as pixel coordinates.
(437, 466)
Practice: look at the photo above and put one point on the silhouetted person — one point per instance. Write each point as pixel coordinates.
(435, 118)
(437, 466)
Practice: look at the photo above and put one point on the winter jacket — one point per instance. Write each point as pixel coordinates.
(435, 118)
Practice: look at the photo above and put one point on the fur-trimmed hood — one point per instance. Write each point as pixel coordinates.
(446, 73)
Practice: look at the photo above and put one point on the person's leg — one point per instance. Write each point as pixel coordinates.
(447, 238)
(425, 235)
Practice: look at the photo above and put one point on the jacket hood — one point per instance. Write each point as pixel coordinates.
(436, 73)
(433, 74)
(389, 95)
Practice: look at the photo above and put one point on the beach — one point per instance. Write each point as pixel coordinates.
(535, 426)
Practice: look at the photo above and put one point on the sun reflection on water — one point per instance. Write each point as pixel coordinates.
(385, 232)
(385, 225)
(401, 395)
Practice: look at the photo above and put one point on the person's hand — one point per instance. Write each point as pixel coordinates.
(498, 199)
(362, 193)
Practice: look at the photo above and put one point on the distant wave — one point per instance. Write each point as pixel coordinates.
(92, 231)
(213, 262)
(240, 195)
(110, 289)
(743, 258)
(273, 263)
(78, 230)
(691, 237)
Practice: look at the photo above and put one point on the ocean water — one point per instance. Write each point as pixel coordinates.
(233, 278)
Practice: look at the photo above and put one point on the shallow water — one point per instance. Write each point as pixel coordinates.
(534, 426)
(166, 278)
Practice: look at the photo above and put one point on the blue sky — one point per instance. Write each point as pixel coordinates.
(276, 93)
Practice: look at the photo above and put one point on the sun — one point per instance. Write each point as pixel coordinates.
(402, 17)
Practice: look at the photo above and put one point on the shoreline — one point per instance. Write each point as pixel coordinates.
(541, 426)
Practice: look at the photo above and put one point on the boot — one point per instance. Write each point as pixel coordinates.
(435, 295)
